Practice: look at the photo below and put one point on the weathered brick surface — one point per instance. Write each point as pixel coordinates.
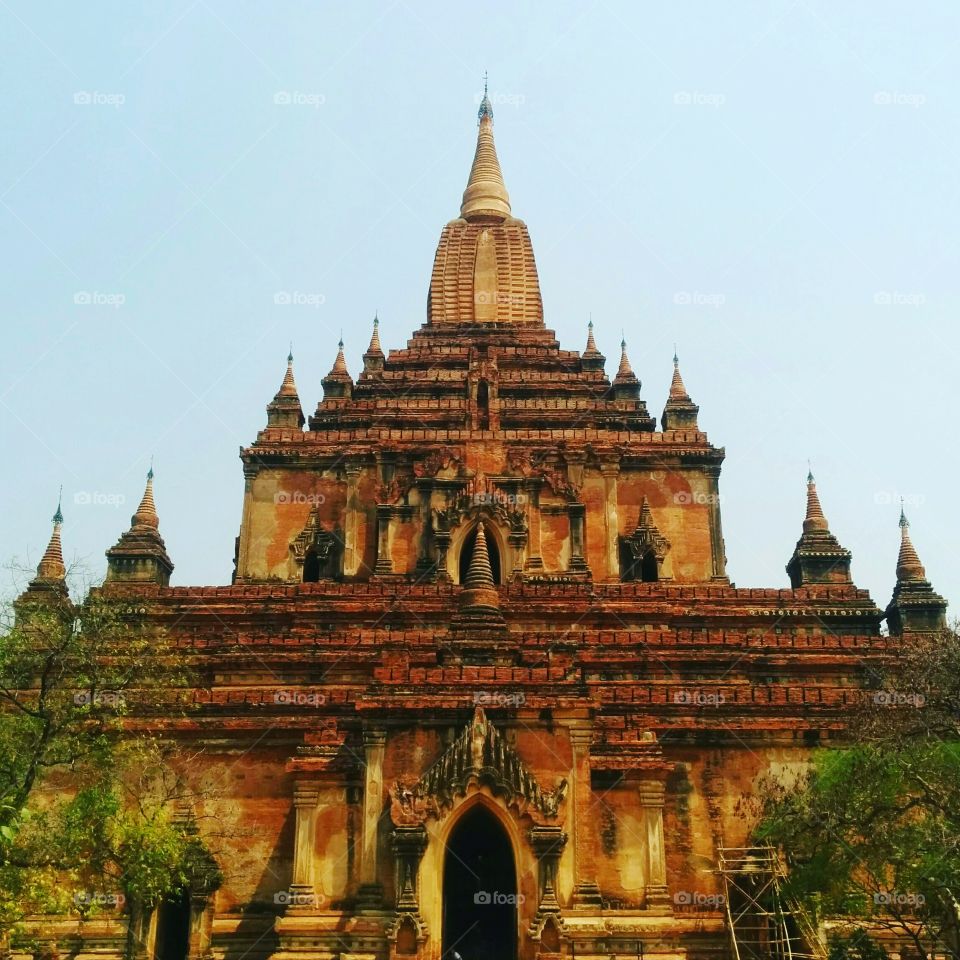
(318, 698)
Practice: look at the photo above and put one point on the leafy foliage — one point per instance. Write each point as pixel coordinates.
(91, 801)
(873, 830)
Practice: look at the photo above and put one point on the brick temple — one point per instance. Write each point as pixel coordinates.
(481, 688)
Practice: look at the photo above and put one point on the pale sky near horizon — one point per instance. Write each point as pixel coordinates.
(771, 186)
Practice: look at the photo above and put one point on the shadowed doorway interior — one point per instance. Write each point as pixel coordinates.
(479, 891)
(173, 928)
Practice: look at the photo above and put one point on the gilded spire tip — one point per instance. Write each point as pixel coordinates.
(486, 108)
(486, 197)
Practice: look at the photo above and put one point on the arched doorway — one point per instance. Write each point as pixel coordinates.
(466, 552)
(173, 928)
(479, 890)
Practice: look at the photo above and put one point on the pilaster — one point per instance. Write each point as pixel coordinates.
(610, 469)
(352, 548)
(303, 894)
(374, 744)
(652, 794)
(586, 891)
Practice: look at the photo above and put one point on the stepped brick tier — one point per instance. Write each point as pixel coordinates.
(481, 686)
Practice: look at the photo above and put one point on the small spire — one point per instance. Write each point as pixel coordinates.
(140, 555)
(645, 520)
(625, 370)
(479, 573)
(146, 515)
(338, 384)
(679, 412)
(591, 349)
(375, 337)
(909, 566)
(678, 390)
(340, 364)
(818, 556)
(284, 410)
(815, 519)
(289, 387)
(51, 566)
(486, 196)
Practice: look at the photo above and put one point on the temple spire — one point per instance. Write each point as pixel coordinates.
(285, 410)
(677, 389)
(909, 566)
(49, 587)
(340, 363)
(818, 556)
(338, 384)
(373, 358)
(51, 567)
(915, 606)
(814, 519)
(626, 386)
(486, 196)
(624, 370)
(591, 348)
(146, 515)
(375, 337)
(140, 555)
(592, 358)
(679, 412)
(289, 387)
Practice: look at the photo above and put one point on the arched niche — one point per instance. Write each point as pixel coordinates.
(466, 553)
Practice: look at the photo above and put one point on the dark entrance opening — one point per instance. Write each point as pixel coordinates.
(311, 567)
(173, 928)
(479, 891)
(466, 552)
(483, 405)
(644, 569)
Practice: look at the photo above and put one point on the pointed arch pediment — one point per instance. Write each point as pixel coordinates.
(479, 756)
(314, 536)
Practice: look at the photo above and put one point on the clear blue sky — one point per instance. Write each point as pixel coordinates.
(773, 186)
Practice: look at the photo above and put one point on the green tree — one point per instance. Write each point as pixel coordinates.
(872, 831)
(91, 803)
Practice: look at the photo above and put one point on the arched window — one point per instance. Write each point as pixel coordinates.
(311, 566)
(648, 568)
(483, 405)
(466, 553)
(643, 568)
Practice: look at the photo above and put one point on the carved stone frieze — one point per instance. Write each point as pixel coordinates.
(480, 755)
